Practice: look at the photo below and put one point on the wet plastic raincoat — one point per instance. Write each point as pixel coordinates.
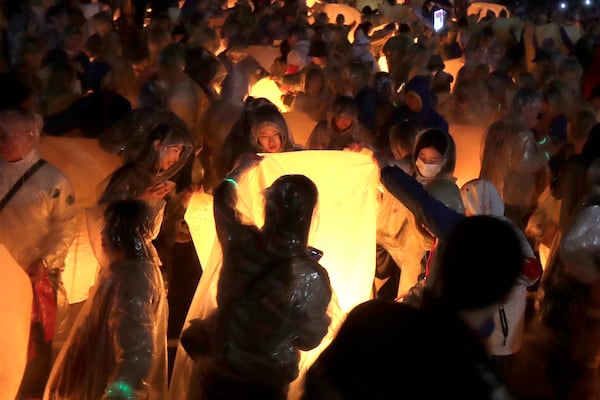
(140, 170)
(511, 160)
(272, 302)
(326, 136)
(117, 345)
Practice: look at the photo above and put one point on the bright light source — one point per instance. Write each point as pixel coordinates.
(588, 2)
(563, 6)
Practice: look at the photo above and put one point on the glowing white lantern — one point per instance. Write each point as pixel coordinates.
(16, 299)
(267, 88)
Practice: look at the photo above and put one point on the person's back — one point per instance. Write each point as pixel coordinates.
(452, 360)
(272, 297)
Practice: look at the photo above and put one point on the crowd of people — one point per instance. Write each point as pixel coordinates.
(461, 271)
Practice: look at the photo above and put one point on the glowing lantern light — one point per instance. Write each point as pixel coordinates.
(15, 300)
(300, 125)
(383, 64)
(267, 88)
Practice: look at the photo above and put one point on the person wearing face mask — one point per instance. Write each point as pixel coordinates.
(398, 231)
(38, 223)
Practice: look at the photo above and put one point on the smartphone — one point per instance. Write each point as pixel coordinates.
(314, 253)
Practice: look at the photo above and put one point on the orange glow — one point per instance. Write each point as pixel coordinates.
(468, 139)
(267, 88)
(383, 64)
(15, 301)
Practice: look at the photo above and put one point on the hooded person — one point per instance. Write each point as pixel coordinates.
(121, 331)
(269, 132)
(480, 197)
(441, 342)
(419, 106)
(259, 121)
(341, 129)
(152, 156)
(433, 161)
(268, 284)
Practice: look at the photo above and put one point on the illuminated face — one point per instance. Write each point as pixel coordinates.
(429, 162)
(343, 122)
(413, 101)
(168, 155)
(269, 138)
(16, 140)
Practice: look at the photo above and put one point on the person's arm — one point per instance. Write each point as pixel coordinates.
(132, 321)
(225, 199)
(314, 289)
(435, 215)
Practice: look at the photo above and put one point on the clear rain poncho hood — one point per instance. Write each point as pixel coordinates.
(133, 138)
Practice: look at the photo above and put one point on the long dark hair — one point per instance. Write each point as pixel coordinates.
(128, 227)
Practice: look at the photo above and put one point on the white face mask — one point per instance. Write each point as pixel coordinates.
(428, 170)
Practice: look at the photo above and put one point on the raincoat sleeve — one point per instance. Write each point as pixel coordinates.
(315, 288)
(62, 226)
(226, 221)
(434, 214)
(530, 157)
(133, 323)
(580, 246)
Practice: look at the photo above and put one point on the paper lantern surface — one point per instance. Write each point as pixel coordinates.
(300, 125)
(15, 302)
(469, 141)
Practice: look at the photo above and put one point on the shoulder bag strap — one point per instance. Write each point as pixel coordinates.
(20, 182)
